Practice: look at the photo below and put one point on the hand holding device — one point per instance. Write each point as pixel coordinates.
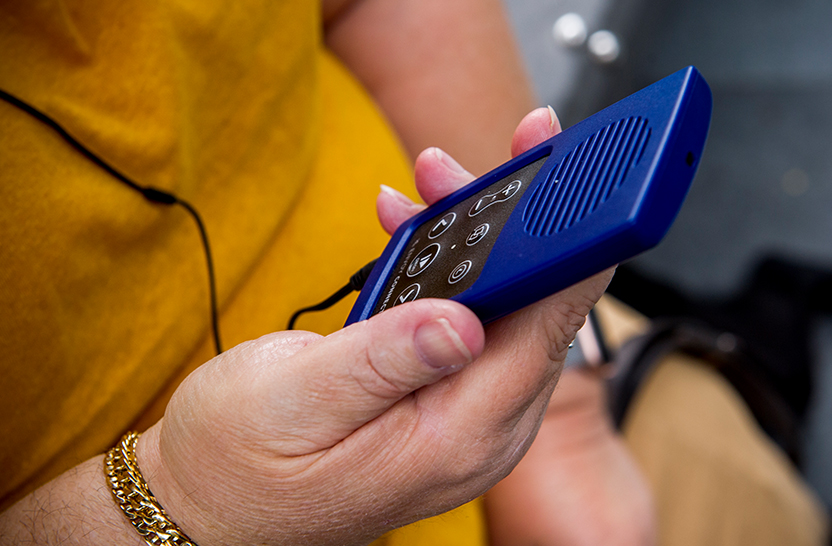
(601, 192)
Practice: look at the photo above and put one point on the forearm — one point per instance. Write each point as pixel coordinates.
(75, 508)
(447, 74)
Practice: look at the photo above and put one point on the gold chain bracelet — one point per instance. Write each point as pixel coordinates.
(133, 496)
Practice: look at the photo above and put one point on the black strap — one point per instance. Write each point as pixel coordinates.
(726, 352)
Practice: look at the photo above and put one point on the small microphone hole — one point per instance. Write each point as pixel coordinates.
(690, 159)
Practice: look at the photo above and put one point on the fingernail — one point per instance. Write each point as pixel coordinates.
(448, 161)
(396, 194)
(553, 118)
(440, 346)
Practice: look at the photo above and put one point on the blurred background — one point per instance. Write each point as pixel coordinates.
(751, 251)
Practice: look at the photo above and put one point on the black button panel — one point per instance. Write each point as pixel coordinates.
(446, 254)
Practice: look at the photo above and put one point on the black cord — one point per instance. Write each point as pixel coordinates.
(212, 282)
(151, 194)
(165, 198)
(356, 283)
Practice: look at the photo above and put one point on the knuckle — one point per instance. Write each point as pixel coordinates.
(377, 371)
(374, 376)
(561, 322)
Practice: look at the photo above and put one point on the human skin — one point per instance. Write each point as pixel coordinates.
(446, 74)
(301, 439)
(578, 484)
(490, 94)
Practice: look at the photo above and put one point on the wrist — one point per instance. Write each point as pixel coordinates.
(135, 499)
(179, 505)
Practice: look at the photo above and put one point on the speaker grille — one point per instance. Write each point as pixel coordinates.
(586, 177)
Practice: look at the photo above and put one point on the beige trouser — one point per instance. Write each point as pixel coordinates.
(716, 477)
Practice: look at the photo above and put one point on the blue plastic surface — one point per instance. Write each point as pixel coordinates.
(609, 189)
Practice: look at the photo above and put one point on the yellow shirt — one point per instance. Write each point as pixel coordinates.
(237, 108)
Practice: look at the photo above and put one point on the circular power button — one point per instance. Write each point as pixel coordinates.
(459, 272)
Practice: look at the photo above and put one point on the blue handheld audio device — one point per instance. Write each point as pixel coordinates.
(588, 198)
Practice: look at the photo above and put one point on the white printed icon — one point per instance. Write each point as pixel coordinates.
(477, 235)
(423, 260)
(408, 294)
(492, 198)
(459, 272)
(442, 225)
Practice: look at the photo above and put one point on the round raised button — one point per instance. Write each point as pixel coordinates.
(408, 294)
(442, 225)
(423, 260)
(477, 235)
(459, 272)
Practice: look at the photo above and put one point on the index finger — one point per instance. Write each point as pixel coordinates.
(438, 175)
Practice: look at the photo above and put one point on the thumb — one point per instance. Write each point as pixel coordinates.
(333, 386)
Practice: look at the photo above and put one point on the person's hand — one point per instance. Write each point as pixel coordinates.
(578, 484)
(301, 439)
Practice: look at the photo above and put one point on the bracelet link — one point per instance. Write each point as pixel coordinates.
(135, 499)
